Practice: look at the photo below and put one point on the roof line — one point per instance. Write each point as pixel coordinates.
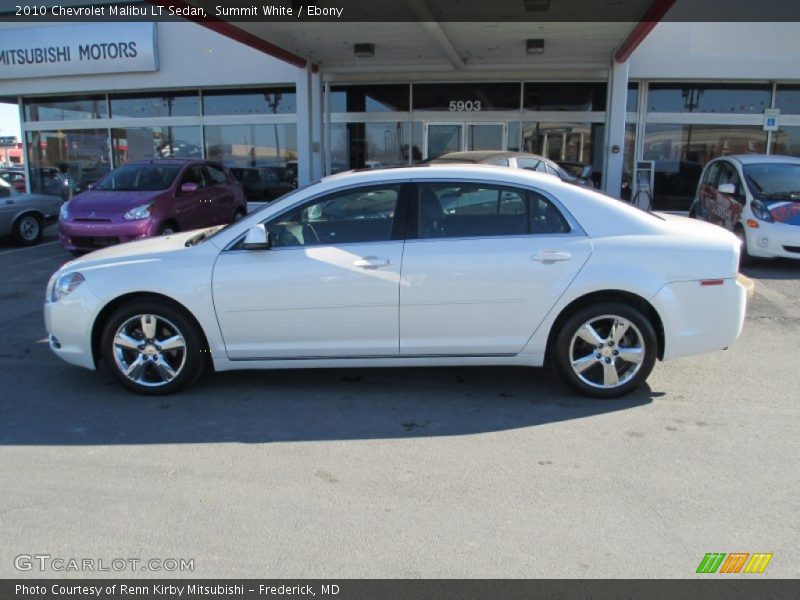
(651, 18)
(240, 35)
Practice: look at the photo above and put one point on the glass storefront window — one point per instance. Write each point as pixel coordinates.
(681, 151)
(565, 96)
(569, 143)
(184, 104)
(629, 152)
(632, 100)
(369, 145)
(709, 98)
(787, 98)
(140, 143)
(81, 154)
(66, 108)
(466, 98)
(370, 98)
(786, 141)
(513, 136)
(269, 101)
(255, 146)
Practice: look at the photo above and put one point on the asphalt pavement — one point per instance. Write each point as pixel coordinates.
(441, 472)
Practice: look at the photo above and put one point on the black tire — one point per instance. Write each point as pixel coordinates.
(28, 229)
(595, 361)
(188, 362)
(238, 214)
(745, 259)
(168, 228)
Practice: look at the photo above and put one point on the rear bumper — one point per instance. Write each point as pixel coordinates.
(91, 236)
(700, 318)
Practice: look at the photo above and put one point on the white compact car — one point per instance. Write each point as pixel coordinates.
(422, 266)
(757, 196)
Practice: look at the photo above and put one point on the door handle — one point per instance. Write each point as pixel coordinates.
(372, 262)
(551, 256)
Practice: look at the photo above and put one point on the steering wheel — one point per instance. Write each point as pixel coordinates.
(310, 235)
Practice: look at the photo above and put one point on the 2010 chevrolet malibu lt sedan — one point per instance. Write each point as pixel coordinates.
(433, 265)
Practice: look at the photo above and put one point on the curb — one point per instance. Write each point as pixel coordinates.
(748, 284)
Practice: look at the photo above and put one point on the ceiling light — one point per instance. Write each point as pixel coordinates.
(534, 46)
(364, 50)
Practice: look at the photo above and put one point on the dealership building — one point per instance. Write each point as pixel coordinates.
(645, 103)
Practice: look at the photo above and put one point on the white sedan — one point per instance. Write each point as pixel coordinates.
(422, 266)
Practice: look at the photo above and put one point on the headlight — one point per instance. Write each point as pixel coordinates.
(140, 212)
(63, 214)
(760, 211)
(65, 285)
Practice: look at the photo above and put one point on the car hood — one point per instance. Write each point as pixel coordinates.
(131, 251)
(104, 202)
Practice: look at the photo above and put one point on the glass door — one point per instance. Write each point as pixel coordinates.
(485, 136)
(441, 138)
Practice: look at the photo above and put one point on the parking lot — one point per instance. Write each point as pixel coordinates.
(486, 472)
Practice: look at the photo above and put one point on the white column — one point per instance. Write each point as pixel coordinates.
(615, 128)
(317, 169)
(305, 145)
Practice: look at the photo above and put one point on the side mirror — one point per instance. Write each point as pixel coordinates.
(189, 188)
(257, 238)
(727, 188)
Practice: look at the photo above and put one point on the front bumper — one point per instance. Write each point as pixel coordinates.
(773, 240)
(700, 318)
(69, 325)
(84, 235)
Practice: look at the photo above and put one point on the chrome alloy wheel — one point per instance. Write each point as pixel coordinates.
(607, 351)
(149, 350)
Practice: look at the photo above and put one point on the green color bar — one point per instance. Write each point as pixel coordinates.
(711, 562)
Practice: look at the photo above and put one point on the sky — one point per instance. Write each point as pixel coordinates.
(9, 120)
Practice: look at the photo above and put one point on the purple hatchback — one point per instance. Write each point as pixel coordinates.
(149, 198)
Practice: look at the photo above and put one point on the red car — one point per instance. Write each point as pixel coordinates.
(15, 178)
(149, 198)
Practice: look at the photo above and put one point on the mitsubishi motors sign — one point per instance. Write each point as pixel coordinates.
(86, 49)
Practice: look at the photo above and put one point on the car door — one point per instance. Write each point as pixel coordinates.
(191, 208)
(707, 190)
(8, 208)
(328, 287)
(219, 196)
(728, 206)
(487, 264)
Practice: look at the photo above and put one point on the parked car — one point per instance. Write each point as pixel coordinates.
(261, 184)
(15, 178)
(49, 180)
(155, 197)
(368, 269)
(518, 160)
(24, 216)
(756, 196)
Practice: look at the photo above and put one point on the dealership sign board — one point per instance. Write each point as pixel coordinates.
(86, 49)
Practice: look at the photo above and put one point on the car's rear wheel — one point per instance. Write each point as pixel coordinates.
(28, 229)
(606, 350)
(152, 348)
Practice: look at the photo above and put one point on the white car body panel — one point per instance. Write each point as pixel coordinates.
(435, 301)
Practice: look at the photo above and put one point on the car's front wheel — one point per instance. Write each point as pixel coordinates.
(28, 229)
(745, 259)
(606, 350)
(152, 348)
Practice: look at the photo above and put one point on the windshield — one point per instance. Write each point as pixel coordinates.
(139, 178)
(774, 180)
